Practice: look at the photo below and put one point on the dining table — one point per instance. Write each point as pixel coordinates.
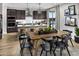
(36, 38)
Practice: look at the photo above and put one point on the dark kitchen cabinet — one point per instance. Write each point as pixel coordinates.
(11, 20)
(0, 33)
(12, 29)
(35, 14)
(12, 16)
(11, 12)
(11, 25)
(23, 14)
(42, 15)
(20, 14)
(0, 26)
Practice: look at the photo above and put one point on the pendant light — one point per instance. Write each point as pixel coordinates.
(28, 13)
(39, 10)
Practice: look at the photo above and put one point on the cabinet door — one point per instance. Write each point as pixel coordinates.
(8, 11)
(35, 15)
(11, 12)
(18, 14)
(10, 30)
(0, 36)
(0, 26)
(22, 14)
(42, 15)
(45, 15)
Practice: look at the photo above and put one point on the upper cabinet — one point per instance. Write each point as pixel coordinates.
(11, 13)
(18, 14)
(42, 15)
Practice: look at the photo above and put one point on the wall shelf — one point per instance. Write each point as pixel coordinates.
(71, 25)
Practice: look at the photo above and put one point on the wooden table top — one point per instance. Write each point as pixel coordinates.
(36, 36)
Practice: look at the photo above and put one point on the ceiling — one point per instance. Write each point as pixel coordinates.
(32, 6)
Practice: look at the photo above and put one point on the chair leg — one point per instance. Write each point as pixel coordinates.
(68, 51)
(51, 52)
(54, 52)
(30, 51)
(55, 49)
(50, 49)
(21, 51)
(46, 53)
(61, 50)
(41, 52)
(71, 42)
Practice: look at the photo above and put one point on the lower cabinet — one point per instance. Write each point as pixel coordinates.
(13, 29)
(0, 33)
(0, 36)
(12, 15)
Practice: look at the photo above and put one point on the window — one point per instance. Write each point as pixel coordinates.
(52, 14)
(52, 17)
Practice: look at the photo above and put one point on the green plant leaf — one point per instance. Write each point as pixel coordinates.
(77, 31)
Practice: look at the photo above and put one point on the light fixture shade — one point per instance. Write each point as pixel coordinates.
(28, 13)
(39, 11)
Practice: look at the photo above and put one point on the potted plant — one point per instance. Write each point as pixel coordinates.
(77, 35)
(40, 31)
(47, 30)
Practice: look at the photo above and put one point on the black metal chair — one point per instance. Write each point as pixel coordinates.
(25, 42)
(70, 38)
(62, 44)
(47, 47)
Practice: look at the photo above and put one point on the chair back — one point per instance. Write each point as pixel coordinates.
(24, 40)
(65, 39)
(68, 31)
(45, 44)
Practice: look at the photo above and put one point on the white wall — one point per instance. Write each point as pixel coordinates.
(4, 19)
(62, 18)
